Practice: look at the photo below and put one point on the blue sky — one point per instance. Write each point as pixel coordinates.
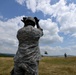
(57, 18)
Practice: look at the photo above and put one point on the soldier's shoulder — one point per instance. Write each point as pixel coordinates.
(21, 29)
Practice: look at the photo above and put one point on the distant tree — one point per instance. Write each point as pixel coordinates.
(45, 52)
(65, 55)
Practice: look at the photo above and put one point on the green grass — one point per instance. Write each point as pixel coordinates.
(6, 64)
(58, 66)
(47, 66)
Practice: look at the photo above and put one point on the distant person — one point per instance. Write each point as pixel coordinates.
(65, 55)
(27, 58)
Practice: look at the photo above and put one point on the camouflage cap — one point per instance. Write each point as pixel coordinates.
(30, 18)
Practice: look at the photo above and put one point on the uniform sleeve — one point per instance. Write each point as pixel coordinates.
(17, 35)
(37, 32)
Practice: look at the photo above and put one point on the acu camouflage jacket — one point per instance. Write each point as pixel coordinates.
(28, 48)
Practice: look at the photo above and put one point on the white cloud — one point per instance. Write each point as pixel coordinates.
(74, 35)
(36, 5)
(70, 50)
(44, 6)
(8, 31)
(20, 1)
(64, 14)
(67, 20)
(31, 4)
(50, 32)
(1, 17)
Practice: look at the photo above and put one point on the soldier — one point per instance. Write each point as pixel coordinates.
(27, 58)
(65, 55)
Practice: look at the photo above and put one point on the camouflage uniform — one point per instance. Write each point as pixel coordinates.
(28, 55)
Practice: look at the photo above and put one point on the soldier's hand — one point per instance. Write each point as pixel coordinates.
(36, 20)
(24, 18)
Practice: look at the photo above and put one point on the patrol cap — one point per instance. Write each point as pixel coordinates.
(28, 19)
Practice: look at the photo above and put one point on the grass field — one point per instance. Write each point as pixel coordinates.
(48, 66)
